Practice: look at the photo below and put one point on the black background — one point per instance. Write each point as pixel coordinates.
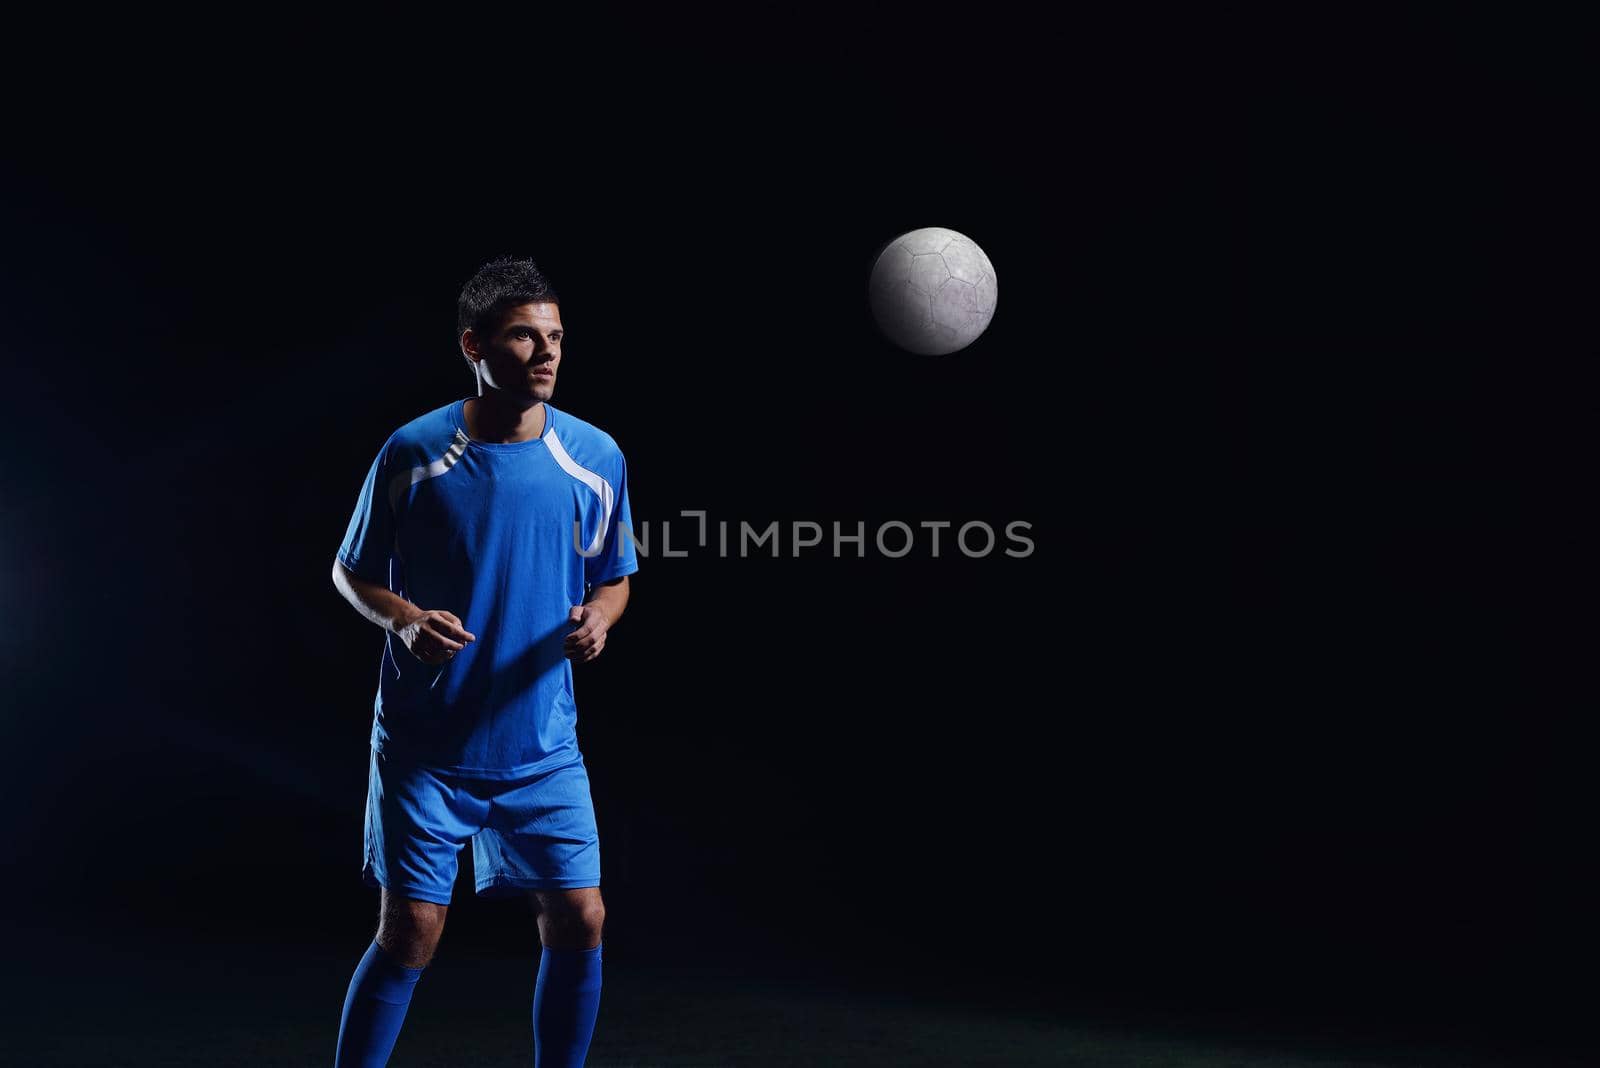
(1248, 729)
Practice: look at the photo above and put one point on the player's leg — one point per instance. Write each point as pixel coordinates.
(566, 996)
(380, 990)
(542, 841)
(408, 929)
(415, 827)
(569, 919)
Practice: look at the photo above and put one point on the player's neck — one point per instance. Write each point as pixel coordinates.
(496, 426)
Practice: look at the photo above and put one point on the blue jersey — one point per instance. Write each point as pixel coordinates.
(508, 537)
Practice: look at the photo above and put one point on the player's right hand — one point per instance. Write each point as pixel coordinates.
(435, 635)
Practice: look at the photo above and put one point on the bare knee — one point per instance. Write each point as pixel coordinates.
(591, 919)
(409, 930)
(570, 919)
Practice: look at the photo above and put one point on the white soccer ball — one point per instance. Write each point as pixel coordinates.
(932, 291)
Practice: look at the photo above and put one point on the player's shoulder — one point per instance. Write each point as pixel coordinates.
(423, 438)
(579, 435)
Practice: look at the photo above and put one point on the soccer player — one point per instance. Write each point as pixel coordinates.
(492, 542)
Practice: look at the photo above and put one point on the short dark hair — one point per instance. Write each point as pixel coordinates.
(503, 283)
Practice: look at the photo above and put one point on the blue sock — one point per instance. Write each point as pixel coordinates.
(566, 1000)
(374, 1009)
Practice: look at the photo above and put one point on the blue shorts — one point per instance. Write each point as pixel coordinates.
(532, 833)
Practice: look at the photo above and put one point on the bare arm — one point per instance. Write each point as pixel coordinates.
(611, 598)
(432, 635)
(377, 603)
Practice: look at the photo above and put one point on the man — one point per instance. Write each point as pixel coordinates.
(492, 542)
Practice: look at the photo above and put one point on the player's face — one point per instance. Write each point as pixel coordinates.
(525, 355)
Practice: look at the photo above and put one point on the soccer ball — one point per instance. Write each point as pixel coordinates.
(932, 291)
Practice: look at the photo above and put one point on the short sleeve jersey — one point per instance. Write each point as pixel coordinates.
(508, 537)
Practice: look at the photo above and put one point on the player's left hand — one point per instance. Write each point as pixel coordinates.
(585, 643)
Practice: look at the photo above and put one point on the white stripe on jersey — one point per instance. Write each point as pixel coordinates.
(406, 479)
(601, 487)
